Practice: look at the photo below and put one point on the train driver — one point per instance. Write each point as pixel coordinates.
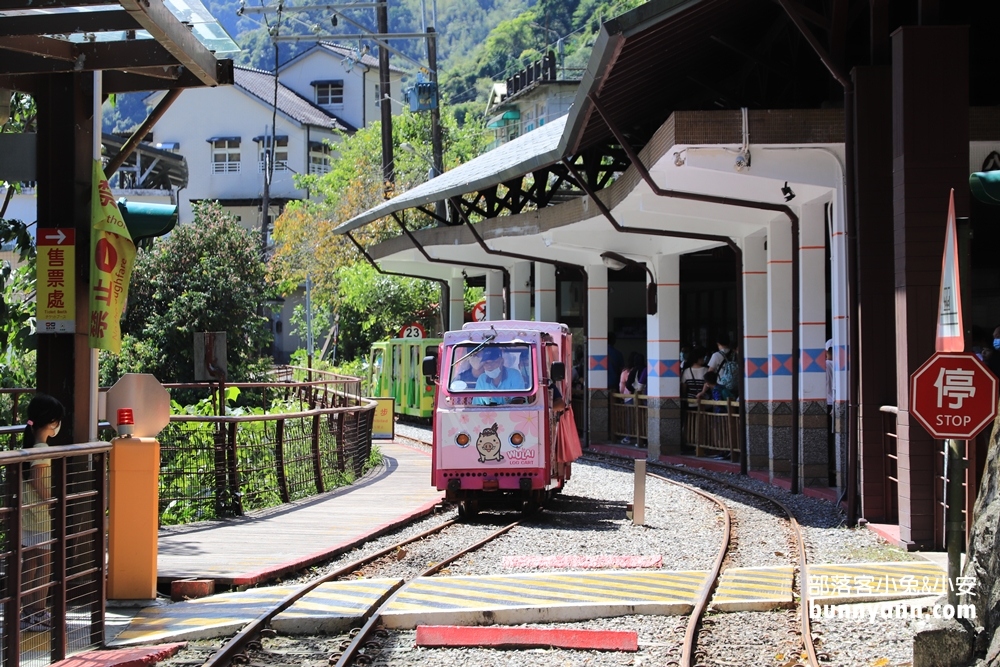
(496, 376)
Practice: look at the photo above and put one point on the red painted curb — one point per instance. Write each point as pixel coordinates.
(126, 657)
(276, 571)
(191, 588)
(507, 637)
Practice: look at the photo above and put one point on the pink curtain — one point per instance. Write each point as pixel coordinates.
(568, 447)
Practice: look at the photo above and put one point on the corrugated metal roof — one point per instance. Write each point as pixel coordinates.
(530, 151)
(260, 84)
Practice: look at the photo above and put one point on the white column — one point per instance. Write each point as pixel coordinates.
(779, 335)
(598, 398)
(597, 327)
(812, 302)
(814, 435)
(456, 303)
(545, 292)
(755, 353)
(520, 291)
(663, 359)
(663, 330)
(494, 295)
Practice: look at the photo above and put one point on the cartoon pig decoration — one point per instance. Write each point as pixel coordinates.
(488, 445)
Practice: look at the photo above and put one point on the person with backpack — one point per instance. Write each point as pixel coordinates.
(627, 384)
(725, 365)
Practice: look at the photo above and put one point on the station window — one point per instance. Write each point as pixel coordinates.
(329, 93)
(319, 159)
(225, 156)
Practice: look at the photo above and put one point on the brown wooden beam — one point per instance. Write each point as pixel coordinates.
(119, 159)
(176, 37)
(46, 47)
(126, 55)
(67, 23)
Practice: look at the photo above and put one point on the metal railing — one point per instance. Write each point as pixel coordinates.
(223, 465)
(216, 465)
(629, 423)
(890, 463)
(713, 426)
(52, 553)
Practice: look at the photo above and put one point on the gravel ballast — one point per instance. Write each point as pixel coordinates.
(589, 518)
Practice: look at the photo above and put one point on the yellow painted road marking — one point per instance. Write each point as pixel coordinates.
(469, 592)
(602, 587)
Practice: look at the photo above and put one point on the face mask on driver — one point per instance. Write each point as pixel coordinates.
(493, 374)
(55, 431)
(996, 343)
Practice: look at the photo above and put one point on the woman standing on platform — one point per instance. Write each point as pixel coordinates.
(45, 415)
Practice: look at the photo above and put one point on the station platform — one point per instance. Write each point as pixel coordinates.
(265, 545)
(512, 599)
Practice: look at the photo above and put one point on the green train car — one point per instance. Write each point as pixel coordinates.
(394, 371)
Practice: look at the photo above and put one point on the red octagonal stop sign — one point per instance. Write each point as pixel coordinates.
(953, 395)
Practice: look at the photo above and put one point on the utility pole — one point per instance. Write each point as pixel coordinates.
(436, 148)
(385, 103)
(265, 199)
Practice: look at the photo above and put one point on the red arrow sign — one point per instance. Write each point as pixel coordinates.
(953, 395)
(57, 236)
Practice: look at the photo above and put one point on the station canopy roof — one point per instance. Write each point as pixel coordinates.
(138, 44)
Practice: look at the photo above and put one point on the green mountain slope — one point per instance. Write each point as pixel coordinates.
(480, 41)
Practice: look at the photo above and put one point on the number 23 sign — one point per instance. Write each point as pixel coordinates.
(412, 331)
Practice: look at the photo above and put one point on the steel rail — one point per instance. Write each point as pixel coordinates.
(236, 645)
(800, 544)
(708, 586)
(351, 652)
(702, 602)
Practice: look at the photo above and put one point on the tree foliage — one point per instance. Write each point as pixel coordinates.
(375, 307)
(206, 276)
(305, 243)
(17, 308)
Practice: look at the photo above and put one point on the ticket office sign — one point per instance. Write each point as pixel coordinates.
(55, 284)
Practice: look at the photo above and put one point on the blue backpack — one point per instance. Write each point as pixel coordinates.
(729, 374)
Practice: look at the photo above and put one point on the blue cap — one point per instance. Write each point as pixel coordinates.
(491, 353)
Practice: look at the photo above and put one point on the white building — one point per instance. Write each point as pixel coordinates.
(223, 132)
(529, 99)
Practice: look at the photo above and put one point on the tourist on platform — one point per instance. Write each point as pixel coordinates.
(693, 377)
(45, 415)
(713, 390)
(627, 386)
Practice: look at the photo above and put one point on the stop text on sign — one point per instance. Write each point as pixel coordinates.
(953, 395)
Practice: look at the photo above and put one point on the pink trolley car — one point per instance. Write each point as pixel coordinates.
(503, 434)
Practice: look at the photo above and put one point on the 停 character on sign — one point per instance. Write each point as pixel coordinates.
(954, 383)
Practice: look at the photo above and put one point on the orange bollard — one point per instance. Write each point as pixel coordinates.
(133, 518)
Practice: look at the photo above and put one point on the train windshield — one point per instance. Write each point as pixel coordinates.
(505, 369)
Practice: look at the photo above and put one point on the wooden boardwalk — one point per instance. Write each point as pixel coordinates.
(273, 542)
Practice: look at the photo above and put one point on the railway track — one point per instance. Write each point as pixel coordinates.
(235, 651)
(689, 652)
(363, 645)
